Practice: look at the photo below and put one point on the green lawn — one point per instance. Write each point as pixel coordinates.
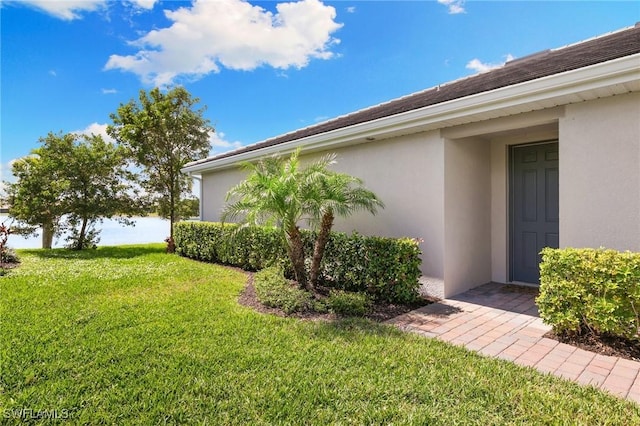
(130, 335)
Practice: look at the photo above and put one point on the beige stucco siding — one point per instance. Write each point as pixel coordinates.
(450, 187)
(407, 174)
(600, 174)
(214, 190)
(467, 248)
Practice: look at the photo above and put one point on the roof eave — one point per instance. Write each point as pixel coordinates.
(618, 71)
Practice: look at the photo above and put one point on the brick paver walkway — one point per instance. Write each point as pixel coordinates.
(502, 321)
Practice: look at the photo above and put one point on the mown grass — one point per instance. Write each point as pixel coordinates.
(130, 335)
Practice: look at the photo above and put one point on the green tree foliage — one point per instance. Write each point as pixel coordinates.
(99, 185)
(34, 199)
(163, 132)
(281, 192)
(189, 207)
(81, 178)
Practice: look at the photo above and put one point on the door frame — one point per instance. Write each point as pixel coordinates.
(510, 207)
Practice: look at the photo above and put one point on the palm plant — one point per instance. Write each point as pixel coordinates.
(335, 194)
(270, 196)
(282, 193)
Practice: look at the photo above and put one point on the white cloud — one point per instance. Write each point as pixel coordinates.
(6, 173)
(351, 9)
(53, 73)
(96, 129)
(67, 10)
(479, 66)
(232, 34)
(109, 91)
(220, 145)
(144, 4)
(455, 6)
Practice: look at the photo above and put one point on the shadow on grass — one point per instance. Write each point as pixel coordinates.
(354, 327)
(112, 252)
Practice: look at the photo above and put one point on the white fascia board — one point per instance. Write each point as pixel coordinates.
(617, 71)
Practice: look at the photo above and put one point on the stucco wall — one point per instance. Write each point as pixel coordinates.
(600, 174)
(406, 173)
(467, 215)
(214, 190)
(450, 187)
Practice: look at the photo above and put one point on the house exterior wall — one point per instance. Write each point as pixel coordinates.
(450, 187)
(214, 190)
(467, 215)
(407, 174)
(600, 173)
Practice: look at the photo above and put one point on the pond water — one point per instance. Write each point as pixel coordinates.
(146, 230)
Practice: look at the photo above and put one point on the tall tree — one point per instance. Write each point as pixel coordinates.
(283, 193)
(78, 178)
(34, 199)
(99, 185)
(163, 131)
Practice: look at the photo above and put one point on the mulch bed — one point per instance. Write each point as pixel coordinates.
(8, 265)
(380, 312)
(603, 345)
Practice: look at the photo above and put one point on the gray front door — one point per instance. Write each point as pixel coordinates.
(534, 207)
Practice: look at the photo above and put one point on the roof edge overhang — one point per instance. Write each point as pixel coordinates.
(468, 109)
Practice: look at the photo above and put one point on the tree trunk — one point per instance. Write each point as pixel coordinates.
(296, 254)
(81, 235)
(171, 246)
(319, 246)
(47, 235)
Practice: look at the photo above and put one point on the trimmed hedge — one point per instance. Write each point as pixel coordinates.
(590, 289)
(386, 268)
(250, 248)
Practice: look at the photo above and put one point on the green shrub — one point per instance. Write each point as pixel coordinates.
(590, 289)
(250, 248)
(348, 303)
(274, 290)
(386, 268)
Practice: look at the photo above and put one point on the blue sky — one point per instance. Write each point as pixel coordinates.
(261, 68)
